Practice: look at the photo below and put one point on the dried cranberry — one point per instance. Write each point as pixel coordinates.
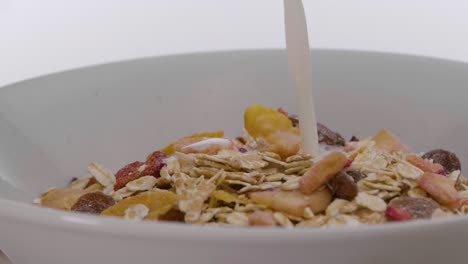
(397, 214)
(343, 186)
(348, 163)
(447, 159)
(93, 203)
(354, 139)
(242, 150)
(127, 174)
(418, 208)
(327, 136)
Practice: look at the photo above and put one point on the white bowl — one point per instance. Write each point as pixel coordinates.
(51, 127)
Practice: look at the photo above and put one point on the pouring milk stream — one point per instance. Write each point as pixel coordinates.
(297, 44)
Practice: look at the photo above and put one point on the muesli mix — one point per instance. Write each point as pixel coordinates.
(262, 178)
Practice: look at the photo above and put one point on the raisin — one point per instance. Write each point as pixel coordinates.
(418, 208)
(354, 139)
(344, 186)
(93, 203)
(447, 159)
(127, 174)
(327, 136)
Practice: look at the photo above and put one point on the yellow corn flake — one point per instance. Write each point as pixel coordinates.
(158, 202)
(185, 141)
(62, 199)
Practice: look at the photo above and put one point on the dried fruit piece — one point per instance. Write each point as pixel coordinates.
(179, 144)
(159, 203)
(128, 173)
(293, 202)
(424, 165)
(284, 143)
(93, 203)
(387, 141)
(62, 199)
(397, 214)
(322, 171)
(260, 121)
(154, 164)
(261, 218)
(417, 208)
(329, 137)
(440, 188)
(343, 186)
(447, 159)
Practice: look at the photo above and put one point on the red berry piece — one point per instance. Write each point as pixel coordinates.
(128, 173)
(397, 214)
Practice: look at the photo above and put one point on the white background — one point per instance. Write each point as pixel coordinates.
(43, 36)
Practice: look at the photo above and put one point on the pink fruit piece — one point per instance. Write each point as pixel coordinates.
(348, 163)
(397, 214)
(441, 189)
(424, 165)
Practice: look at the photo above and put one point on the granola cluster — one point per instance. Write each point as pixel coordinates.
(263, 179)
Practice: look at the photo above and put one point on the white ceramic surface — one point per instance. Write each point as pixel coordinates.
(51, 127)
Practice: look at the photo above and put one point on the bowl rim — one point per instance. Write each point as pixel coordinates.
(29, 214)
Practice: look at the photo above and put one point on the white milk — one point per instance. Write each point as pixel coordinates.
(297, 44)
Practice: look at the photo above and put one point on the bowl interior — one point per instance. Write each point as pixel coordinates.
(51, 127)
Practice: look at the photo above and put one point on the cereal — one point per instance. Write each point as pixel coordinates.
(144, 183)
(264, 179)
(136, 212)
(101, 174)
(372, 202)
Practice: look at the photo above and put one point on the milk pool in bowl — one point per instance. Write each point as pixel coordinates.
(53, 126)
